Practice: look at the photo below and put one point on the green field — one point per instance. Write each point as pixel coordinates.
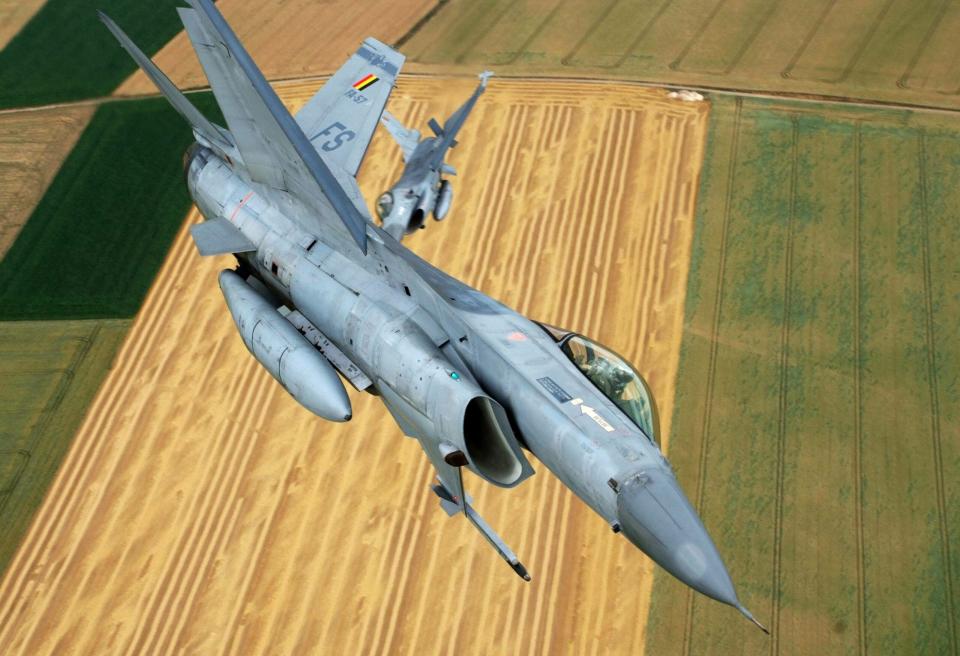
(64, 53)
(890, 50)
(97, 238)
(818, 404)
(50, 372)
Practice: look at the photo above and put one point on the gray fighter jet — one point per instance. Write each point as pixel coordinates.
(420, 190)
(320, 292)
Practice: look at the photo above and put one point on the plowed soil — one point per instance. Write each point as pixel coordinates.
(290, 39)
(201, 510)
(33, 145)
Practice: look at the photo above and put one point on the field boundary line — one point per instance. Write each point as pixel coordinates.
(858, 403)
(935, 395)
(712, 363)
(533, 35)
(566, 59)
(857, 54)
(792, 96)
(481, 35)
(904, 80)
(744, 47)
(787, 72)
(784, 361)
(63, 386)
(675, 64)
(641, 35)
(421, 23)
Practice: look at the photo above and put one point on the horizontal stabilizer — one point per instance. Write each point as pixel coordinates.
(435, 127)
(213, 134)
(406, 138)
(219, 237)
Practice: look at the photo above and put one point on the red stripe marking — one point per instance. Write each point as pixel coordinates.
(361, 81)
(240, 206)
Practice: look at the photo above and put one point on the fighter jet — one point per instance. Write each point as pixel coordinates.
(421, 190)
(322, 295)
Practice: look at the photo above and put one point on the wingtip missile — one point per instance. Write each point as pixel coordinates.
(746, 613)
(485, 77)
(520, 570)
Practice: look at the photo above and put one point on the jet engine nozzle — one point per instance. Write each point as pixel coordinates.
(656, 516)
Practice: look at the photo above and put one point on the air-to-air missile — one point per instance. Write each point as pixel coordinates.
(321, 293)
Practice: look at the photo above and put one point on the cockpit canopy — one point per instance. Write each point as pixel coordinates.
(613, 376)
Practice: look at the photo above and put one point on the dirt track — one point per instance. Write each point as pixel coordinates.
(290, 39)
(33, 145)
(200, 510)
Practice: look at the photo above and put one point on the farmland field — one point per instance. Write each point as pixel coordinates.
(13, 15)
(98, 236)
(289, 38)
(890, 50)
(33, 145)
(818, 400)
(64, 53)
(50, 373)
(201, 510)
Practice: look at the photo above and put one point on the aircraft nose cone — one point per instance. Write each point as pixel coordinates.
(656, 516)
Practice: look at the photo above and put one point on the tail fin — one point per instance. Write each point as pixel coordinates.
(274, 149)
(202, 127)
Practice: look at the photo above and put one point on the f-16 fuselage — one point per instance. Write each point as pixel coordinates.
(321, 292)
(418, 193)
(464, 373)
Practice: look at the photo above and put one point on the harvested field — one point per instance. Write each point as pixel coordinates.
(818, 404)
(14, 14)
(201, 510)
(33, 145)
(290, 38)
(50, 371)
(890, 50)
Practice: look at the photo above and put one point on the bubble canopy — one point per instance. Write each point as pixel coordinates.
(613, 376)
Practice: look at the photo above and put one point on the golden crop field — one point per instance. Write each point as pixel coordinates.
(33, 145)
(200, 510)
(888, 50)
(289, 39)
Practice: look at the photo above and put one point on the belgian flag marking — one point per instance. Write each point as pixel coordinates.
(365, 82)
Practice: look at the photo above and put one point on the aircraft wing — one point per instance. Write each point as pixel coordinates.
(274, 149)
(213, 134)
(448, 133)
(341, 117)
